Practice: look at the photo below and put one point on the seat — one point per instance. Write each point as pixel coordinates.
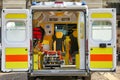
(58, 41)
(74, 41)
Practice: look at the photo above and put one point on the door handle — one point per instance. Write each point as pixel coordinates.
(102, 45)
(109, 44)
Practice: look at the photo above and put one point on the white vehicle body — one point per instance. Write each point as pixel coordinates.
(95, 26)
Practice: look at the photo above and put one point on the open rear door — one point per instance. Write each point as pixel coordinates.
(102, 39)
(15, 40)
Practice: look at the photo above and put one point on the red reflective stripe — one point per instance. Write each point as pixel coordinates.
(101, 57)
(16, 58)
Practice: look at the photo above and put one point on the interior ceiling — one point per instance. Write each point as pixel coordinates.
(66, 13)
(57, 13)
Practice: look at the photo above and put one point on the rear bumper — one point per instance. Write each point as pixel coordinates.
(59, 73)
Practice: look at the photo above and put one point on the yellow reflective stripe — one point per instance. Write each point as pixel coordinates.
(101, 64)
(16, 51)
(82, 30)
(97, 50)
(101, 15)
(16, 16)
(77, 60)
(16, 65)
(35, 57)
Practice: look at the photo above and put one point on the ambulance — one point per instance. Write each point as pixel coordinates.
(59, 39)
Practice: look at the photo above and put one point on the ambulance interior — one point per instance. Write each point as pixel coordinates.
(55, 40)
